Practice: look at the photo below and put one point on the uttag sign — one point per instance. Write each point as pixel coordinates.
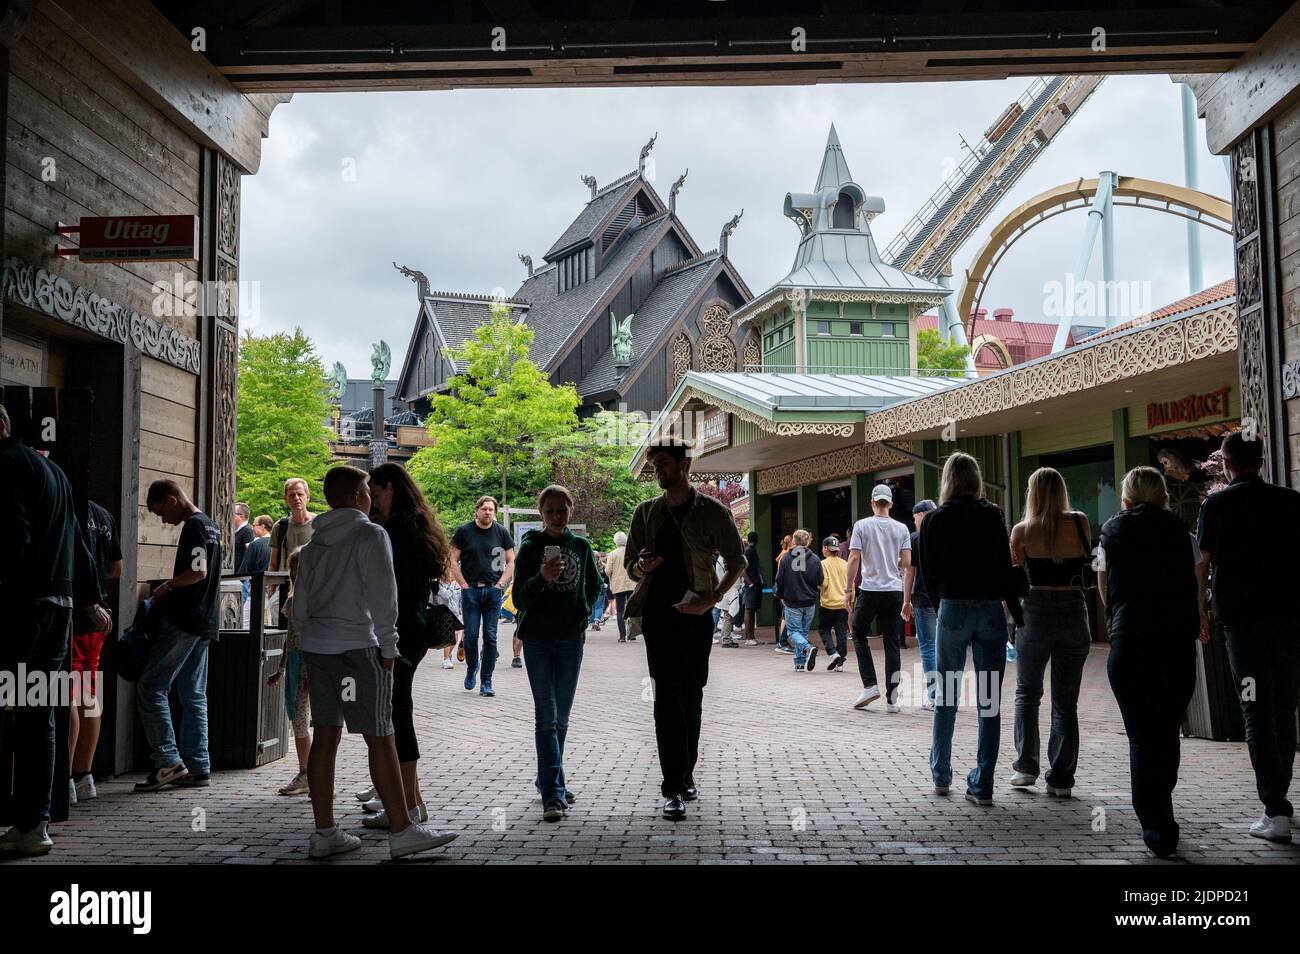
(138, 238)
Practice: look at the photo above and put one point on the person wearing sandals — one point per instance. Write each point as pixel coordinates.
(297, 705)
(421, 554)
(1053, 545)
(557, 583)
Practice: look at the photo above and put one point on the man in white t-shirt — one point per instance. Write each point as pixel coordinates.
(882, 547)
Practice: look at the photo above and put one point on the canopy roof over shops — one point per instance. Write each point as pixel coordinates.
(780, 416)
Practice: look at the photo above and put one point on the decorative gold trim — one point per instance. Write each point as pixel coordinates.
(845, 462)
(1152, 348)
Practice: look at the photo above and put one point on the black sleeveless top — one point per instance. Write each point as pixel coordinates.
(1049, 571)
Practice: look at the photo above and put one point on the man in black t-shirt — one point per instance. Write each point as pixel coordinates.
(185, 610)
(483, 561)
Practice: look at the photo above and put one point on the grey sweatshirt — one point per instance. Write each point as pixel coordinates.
(346, 594)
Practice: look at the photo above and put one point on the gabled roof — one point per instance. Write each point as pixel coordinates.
(453, 318)
(603, 206)
(656, 314)
(554, 317)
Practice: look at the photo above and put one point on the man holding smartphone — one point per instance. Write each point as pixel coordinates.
(670, 555)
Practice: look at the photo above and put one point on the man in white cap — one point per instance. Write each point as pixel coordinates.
(882, 547)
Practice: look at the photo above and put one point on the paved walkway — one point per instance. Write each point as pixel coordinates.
(789, 772)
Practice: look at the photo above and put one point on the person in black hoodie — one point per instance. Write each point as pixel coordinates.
(798, 587)
(1147, 578)
(557, 583)
(421, 553)
(966, 564)
(46, 573)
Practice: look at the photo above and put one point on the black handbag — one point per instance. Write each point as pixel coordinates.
(440, 625)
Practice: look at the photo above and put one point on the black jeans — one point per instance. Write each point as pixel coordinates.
(620, 610)
(677, 650)
(408, 746)
(1153, 684)
(41, 635)
(1265, 660)
(881, 607)
(836, 620)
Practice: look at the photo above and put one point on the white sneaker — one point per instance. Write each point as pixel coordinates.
(1058, 792)
(322, 846)
(1021, 780)
(448, 663)
(297, 786)
(1272, 828)
(892, 707)
(834, 659)
(366, 795)
(32, 843)
(415, 839)
(86, 789)
(374, 804)
(866, 697)
(72, 792)
(380, 819)
(927, 705)
(749, 642)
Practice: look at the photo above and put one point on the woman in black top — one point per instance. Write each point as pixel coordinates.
(1149, 586)
(420, 555)
(1053, 545)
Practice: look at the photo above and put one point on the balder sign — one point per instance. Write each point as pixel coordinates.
(138, 238)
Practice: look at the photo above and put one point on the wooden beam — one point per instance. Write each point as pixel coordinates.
(1261, 85)
(134, 40)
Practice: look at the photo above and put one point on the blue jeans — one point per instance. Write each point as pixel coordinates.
(797, 621)
(552, 666)
(598, 609)
(179, 658)
(480, 604)
(980, 625)
(926, 622)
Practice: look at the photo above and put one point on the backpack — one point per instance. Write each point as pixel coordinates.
(131, 649)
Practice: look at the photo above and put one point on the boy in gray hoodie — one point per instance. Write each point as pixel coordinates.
(345, 609)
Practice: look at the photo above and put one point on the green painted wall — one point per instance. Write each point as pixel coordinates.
(780, 359)
(988, 451)
(760, 519)
(858, 355)
(743, 432)
(1067, 435)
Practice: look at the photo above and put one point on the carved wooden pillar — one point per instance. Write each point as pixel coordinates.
(1259, 351)
(219, 317)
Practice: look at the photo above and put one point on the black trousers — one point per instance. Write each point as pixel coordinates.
(677, 649)
(620, 610)
(1265, 660)
(1152, 684)
(881, 608)
(40, 641)
(412, 652)
(837, 621)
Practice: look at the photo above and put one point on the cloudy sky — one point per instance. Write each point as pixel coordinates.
(457, 184)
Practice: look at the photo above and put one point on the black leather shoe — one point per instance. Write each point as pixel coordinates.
(674, 808)
(691, 794)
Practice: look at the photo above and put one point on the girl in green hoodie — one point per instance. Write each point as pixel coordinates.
(556, 585)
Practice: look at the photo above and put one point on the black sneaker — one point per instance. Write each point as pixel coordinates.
(202, 780)
(553, 810)
(622, 639)
(810, 661)
(516, 663)
(728, 644)
(160, 778)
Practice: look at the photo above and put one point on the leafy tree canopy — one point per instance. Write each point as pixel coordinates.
(933, 354)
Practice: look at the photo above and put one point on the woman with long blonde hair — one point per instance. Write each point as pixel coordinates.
(1053, 545)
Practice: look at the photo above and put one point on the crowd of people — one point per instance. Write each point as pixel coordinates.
(368, 577)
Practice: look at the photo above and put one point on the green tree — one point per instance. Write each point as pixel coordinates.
(591, 461)
(490, 431)
(933, 354)
(282, 412)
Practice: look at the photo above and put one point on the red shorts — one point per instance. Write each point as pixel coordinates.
(86, 648)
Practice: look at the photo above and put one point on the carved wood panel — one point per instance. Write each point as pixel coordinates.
(219, 270)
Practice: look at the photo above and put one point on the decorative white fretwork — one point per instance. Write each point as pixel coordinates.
(753, 353)
(845, 462)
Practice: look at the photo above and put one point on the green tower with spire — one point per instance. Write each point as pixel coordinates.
(841, 309)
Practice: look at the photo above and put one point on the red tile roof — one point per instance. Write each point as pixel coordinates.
(1035, 337)
(1221, 292)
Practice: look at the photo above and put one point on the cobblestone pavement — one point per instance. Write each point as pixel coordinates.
(789, 772)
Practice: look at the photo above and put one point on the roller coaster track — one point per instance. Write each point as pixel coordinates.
(930, 240)
(1138, 193)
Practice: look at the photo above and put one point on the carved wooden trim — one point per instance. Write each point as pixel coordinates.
(1162, 345)
(57, 297)
(845, 462)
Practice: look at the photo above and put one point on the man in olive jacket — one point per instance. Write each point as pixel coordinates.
(670, 553)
